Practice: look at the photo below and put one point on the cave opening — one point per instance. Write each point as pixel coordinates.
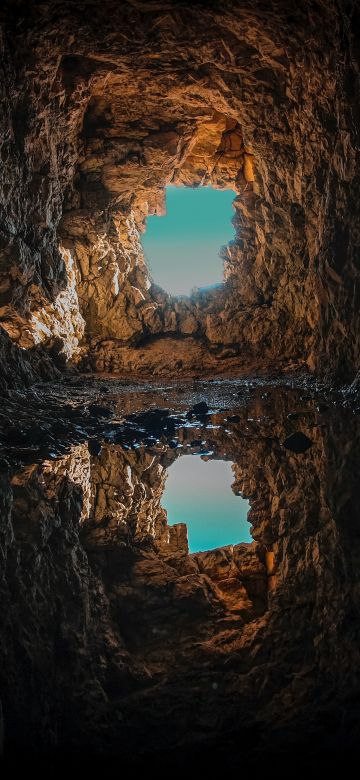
(198, 493)
(183, 246)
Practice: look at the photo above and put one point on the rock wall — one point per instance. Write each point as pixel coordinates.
(96, 121)
(20, 368)
(108, 640)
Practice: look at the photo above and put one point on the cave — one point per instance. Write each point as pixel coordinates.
(123, 643)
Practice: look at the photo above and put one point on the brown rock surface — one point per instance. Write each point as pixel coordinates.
(96, 121)
(116, 642)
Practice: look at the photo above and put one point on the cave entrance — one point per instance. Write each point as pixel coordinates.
(198, 492)
(182, 247)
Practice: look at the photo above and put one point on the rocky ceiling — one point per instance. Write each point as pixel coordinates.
(105, 104)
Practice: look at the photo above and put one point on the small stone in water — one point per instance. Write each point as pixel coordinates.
(297, 442)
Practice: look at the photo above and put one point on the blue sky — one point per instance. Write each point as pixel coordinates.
(199, 493)
(182, 247)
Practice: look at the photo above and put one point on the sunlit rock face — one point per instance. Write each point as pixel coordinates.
(116, 642)
(96, 120)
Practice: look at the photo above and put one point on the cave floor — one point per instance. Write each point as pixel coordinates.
(49, 418)
(113, 636)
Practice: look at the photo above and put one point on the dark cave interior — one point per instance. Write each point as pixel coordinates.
(116, 643)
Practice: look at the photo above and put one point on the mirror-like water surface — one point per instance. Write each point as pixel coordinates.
(198, 492)
(113, 639)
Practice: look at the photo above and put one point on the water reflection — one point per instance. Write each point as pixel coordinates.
(110, 631)
(198, 493)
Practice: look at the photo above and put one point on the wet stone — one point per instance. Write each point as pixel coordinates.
(297, 442)
(99, 411)
(95, 560)
(94, 447)
(200, 408)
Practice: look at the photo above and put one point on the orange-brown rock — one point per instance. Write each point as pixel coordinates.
(114, 639)
(96, 121)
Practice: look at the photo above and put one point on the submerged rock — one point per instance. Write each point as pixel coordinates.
(198, 410)
(297, 442)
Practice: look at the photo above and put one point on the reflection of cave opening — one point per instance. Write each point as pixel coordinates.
(183, 246)
(198, 493)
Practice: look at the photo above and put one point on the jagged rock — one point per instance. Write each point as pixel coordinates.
(198, 410)
(110, 630)
(85, 162)
(100, 597)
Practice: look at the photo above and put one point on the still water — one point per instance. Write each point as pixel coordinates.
(198, 492)
(113, 640)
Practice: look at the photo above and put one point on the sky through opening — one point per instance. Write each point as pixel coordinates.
(182, 247)
(199, 493)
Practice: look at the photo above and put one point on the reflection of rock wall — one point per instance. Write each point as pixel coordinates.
(80, 625)
(126, 486)
(250, 97)
(106, 640)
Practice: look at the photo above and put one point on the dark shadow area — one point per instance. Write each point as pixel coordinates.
(116, 643)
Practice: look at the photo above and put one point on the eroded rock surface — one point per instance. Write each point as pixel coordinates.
(96, 120)
(117, 642)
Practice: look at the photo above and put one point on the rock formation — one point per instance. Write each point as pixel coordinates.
(97, 120)
(116, 641)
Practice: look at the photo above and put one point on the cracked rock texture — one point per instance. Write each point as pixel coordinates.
(116, 641)
(102, 106)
